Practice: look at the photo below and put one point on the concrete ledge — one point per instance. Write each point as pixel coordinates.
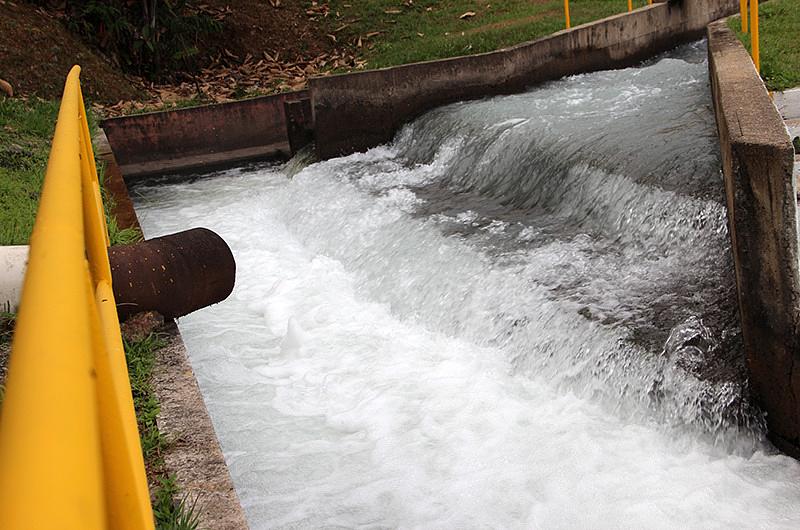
(757, 158)
(194, 454)
(353, 112)
(191, 138)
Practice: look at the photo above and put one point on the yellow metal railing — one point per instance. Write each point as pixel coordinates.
(755, 51)
(70, 456)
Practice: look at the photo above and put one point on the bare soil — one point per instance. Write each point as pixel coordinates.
(294, 29)
(265, 46)
(37, 52)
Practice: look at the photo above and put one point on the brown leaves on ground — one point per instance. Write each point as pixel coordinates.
(254, 76)
(269, 47)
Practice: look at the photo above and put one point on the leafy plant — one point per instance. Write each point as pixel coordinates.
(171, 513)
(147, 37)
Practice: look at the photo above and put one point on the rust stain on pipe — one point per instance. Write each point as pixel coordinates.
(174, 274)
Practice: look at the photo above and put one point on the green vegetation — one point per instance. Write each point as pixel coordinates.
(779, 46)
(394, 32)
(151, 38)
(169, 511)
(26, 128)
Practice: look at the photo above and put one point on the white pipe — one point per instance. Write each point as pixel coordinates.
(13, 262)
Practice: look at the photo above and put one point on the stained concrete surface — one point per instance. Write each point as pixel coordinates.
(190, 138)
(758, 161)
(353, 112)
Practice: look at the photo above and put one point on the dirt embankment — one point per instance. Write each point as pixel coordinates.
(264, 46)
(36, 52)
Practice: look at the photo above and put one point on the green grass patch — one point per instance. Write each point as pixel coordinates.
(170, 510)
(26, 128)
(779, 42)
(7, 319)
(394, 32)
(26, 133)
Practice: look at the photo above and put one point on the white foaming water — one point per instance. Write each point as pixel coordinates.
(465, 329)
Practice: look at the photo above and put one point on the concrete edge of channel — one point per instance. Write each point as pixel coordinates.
(194, 454)
(355, 111)
(761, 196)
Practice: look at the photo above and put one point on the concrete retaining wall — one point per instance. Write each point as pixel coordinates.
(757, 158)
(199, 137)
(353, 112)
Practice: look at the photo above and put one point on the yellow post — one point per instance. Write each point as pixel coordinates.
(566, 13)
(630, 6)
(754, 51)
(743, 14)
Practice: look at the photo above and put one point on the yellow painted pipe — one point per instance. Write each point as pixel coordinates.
(743, 14)
(754, 51)
(630, 6)
(566, 14)
(69, 445)
(50, 455)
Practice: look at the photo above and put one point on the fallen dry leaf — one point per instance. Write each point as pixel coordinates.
(5, 87)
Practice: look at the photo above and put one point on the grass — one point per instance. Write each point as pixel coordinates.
(26, 130)
(779, 42)
(393, 32)
(6, 325)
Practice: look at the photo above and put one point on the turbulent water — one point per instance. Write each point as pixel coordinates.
(520, 313)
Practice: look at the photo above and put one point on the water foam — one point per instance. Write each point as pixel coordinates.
(518, 314)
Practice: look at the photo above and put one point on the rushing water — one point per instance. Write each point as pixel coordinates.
(520, 313)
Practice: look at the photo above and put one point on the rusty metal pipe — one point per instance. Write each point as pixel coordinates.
(174, 274)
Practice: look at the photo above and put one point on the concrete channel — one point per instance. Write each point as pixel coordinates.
(352, 112)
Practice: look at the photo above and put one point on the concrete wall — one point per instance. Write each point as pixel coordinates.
(757, 159)
(199, 137)
(353, 112)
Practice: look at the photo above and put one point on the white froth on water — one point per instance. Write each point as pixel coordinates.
(384, 365)
(334, 412)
